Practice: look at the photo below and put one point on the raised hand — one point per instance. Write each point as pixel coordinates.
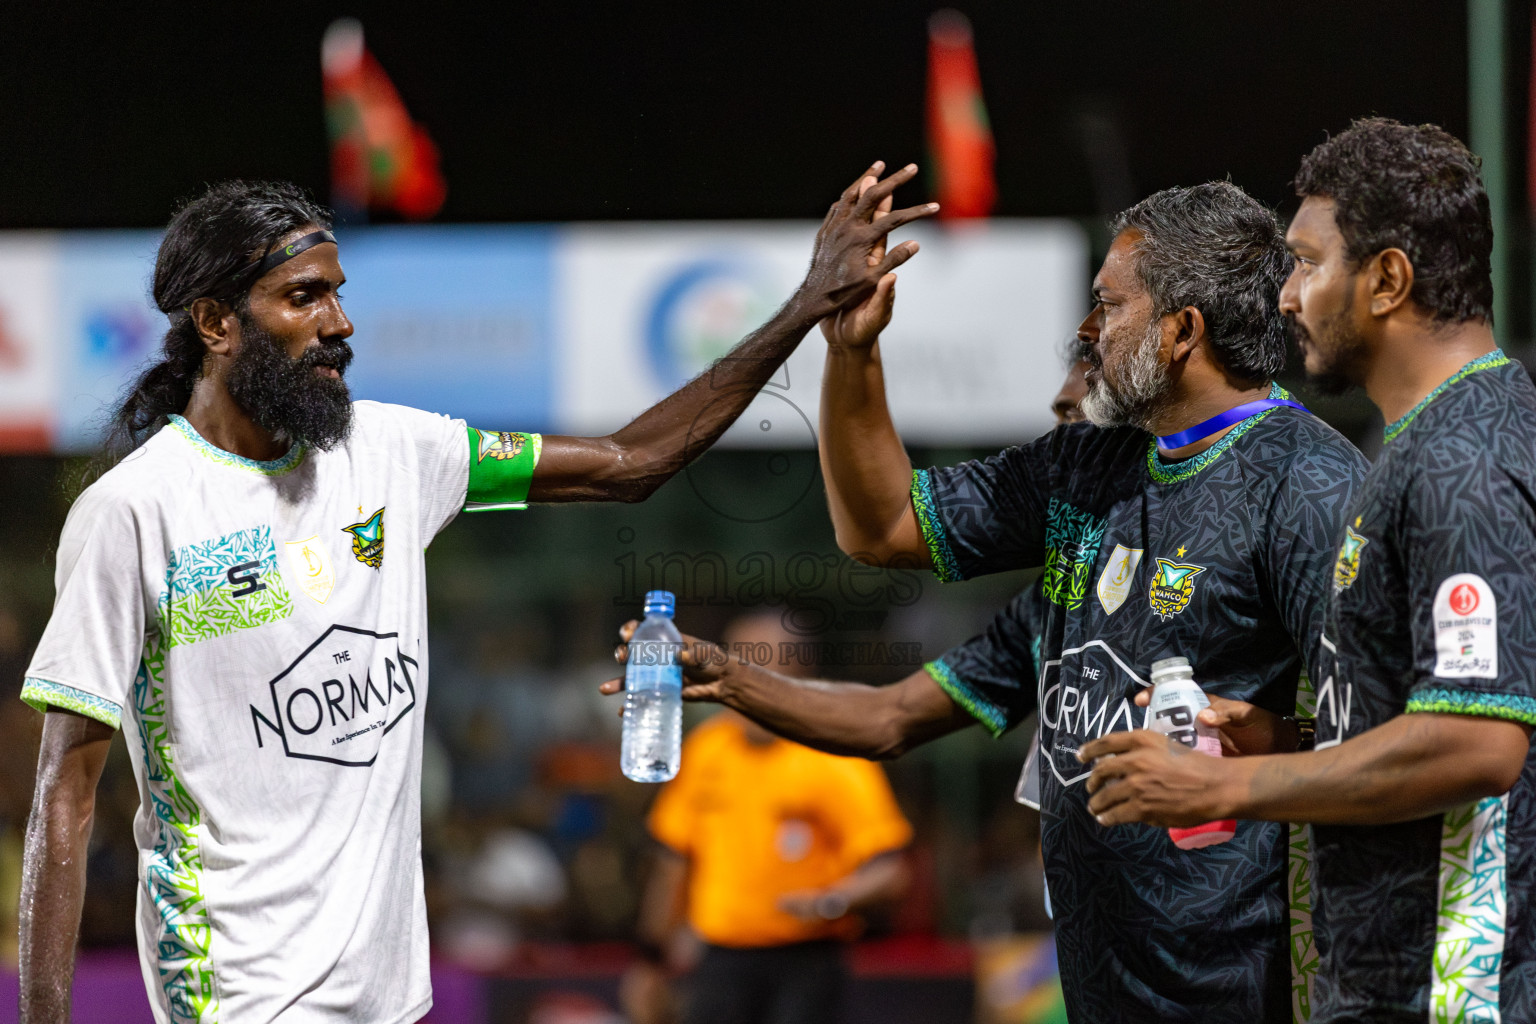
(860, 326)
(850, 257)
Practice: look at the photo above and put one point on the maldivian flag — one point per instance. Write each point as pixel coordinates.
(959, 136)
(380, 158)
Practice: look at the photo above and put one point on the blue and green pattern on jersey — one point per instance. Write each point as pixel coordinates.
(273, 467)
(1470, 918)
(966, 695)
(199, 601)
(1483, 362)
(173, 866)
(1072, 539)
(42, 694)
(501, 466)
(945, 565)
(1513, 707)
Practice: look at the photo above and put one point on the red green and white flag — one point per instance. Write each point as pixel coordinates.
(381, 160)
(960, 146)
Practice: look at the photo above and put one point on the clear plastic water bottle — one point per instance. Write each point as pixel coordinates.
(653, 695)
(1176, 702)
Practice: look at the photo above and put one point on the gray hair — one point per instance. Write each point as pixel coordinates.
(1216, 248)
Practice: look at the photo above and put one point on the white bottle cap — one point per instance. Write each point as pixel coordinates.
(1171, 668)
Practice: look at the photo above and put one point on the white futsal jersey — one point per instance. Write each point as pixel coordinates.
(259, 630)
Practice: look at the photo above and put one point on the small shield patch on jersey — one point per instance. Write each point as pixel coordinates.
(1172, 587)
(1347, 568)
(368, 540)
(1466, 628)
(1115, 580)
(310, 566)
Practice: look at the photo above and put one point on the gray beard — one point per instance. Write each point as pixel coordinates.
(1130, 400)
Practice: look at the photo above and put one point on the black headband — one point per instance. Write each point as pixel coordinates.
(280, 256)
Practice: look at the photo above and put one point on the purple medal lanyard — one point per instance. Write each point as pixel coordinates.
(1221, 421)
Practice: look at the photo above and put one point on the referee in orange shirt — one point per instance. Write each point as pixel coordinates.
(769, 850)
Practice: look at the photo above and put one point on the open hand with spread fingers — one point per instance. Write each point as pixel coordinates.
(850, 258)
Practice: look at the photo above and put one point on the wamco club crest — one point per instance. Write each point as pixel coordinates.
(368, 540)
(1173, 586)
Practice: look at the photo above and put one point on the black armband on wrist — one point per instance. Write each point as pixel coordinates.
(1306, 731)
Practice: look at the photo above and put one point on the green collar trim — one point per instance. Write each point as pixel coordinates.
(1175, 472)
(276, 467)
(1483, 362)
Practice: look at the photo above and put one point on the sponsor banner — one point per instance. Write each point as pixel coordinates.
(574, 329)
(28, 349)
(106, 330)
(455, 320)
(970, 357)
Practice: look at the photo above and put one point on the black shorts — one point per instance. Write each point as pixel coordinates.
(798, 984)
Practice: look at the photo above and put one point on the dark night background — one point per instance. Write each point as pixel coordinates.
(659, 111)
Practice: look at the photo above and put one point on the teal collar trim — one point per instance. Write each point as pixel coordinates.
(1483, 362)
(1175, 472)
(276, 467)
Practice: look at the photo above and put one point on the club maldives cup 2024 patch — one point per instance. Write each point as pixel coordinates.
(1466, 628)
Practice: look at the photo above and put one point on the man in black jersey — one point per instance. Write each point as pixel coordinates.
(1422, 782)
(1211, 540)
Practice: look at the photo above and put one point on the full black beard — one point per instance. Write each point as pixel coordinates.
(285, 396)
(1337, 348)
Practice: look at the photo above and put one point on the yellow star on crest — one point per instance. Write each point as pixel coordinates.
(1181, 550)
(1357, 520)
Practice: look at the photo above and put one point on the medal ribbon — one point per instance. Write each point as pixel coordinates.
(1221, 421)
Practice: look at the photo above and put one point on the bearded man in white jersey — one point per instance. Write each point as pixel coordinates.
(244, 594)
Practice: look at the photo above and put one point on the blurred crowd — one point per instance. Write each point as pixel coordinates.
(532, 838)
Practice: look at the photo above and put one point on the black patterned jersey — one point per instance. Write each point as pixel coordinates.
(1434, 610)
(1223, 558)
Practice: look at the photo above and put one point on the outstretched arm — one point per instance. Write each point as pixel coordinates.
(877, 722)
(630, 464)
(74, 749)
(865, 466)
(1411, 766)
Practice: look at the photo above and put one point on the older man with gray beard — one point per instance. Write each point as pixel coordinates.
(1194, 517)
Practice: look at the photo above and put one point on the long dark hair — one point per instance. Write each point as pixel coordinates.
(212, 249)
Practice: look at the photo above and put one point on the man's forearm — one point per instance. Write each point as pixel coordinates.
(868, 474)
(69, 763)
(630, 464)
(52, 891)
(682, 426)
(1410, 767)
(851, 719)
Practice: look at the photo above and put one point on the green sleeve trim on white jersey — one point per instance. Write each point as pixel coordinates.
(42, 694)
(501, 469)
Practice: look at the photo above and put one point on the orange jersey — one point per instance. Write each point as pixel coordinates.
(759, 822)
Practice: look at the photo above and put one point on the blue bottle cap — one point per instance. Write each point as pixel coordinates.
(660, 602)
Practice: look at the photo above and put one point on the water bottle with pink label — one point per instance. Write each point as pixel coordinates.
(1176, 702)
